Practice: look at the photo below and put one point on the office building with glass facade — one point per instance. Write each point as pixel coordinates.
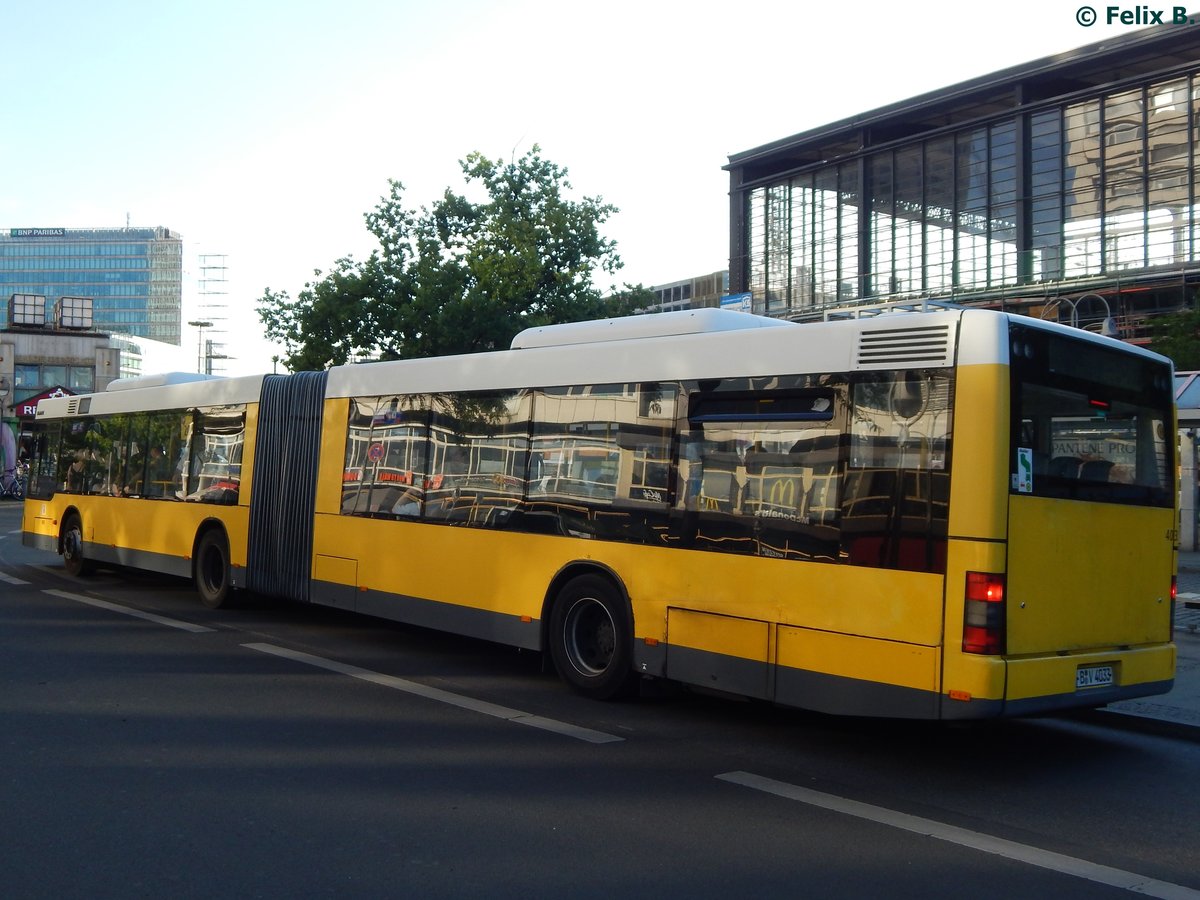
(133, 275)
(1065, 188)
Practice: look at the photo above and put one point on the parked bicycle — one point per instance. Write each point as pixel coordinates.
(12, 484)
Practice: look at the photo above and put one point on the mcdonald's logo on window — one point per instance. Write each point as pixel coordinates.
(783, 492)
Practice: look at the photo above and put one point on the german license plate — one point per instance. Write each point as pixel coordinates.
(1093, 676)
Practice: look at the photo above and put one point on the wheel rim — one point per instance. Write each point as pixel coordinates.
(73, 542)
(590, 636)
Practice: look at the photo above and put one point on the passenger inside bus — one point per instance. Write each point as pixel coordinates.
(77, 472)
(158, 473)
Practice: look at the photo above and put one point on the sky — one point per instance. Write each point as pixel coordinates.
(264, 130)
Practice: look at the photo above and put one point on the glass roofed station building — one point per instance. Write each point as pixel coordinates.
(1064, 188)
(134, 276)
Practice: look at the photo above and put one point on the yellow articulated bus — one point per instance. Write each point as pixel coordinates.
(955, 514)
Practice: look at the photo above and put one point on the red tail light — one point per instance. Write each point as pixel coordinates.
(1174, 597)
(983, 619)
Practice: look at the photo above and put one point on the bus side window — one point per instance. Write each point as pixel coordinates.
(216, 463)
(108, 450)
(167, 440)
(479, 447)
(137, 455)
(895, 508)
(601, 448)
(73, 456)
(356, 470)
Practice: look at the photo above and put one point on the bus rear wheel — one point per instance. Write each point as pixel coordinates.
(72, 547)
(591, 639)
(212, 570)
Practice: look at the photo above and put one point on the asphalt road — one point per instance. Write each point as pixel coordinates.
(151, 747)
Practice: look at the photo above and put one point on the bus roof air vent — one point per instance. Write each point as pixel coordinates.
(890, 348)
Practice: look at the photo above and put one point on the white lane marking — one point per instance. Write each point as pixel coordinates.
(128, 611)
(430, 693)
(11, 579)
(1034, 856)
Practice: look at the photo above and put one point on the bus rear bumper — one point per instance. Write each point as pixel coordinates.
(1092, 699)
(1048, 684)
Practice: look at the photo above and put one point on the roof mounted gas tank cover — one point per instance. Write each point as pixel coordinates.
(627, 328)
(158, 380)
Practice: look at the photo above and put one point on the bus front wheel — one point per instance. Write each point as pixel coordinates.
(591, 639)
(72, 547)
(212, 570)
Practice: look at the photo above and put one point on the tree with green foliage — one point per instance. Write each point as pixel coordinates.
(460, 276)
(1177, 336)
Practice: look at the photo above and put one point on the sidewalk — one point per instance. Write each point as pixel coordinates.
(1181, 707)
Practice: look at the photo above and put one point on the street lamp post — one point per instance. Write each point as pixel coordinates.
(200, 325)
(1108, 327)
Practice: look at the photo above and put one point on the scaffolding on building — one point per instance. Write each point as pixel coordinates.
(213, 310)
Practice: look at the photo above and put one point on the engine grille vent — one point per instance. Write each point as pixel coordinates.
(928, 345)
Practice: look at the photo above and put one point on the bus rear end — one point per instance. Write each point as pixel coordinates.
(1071, 605)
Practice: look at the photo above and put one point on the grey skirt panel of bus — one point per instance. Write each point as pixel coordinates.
(285, 485)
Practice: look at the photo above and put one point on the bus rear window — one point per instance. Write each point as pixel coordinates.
(1081, 432)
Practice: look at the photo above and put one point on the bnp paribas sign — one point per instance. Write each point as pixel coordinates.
(37, 232)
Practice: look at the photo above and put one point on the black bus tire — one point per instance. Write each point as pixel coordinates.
(72, 547)
(212, 570)
(591, 638)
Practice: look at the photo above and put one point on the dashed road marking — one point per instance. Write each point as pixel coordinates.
(430, 693)
(1033, 856)
(129, 611)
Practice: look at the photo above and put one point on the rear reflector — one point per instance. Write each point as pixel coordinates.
(983, 615)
